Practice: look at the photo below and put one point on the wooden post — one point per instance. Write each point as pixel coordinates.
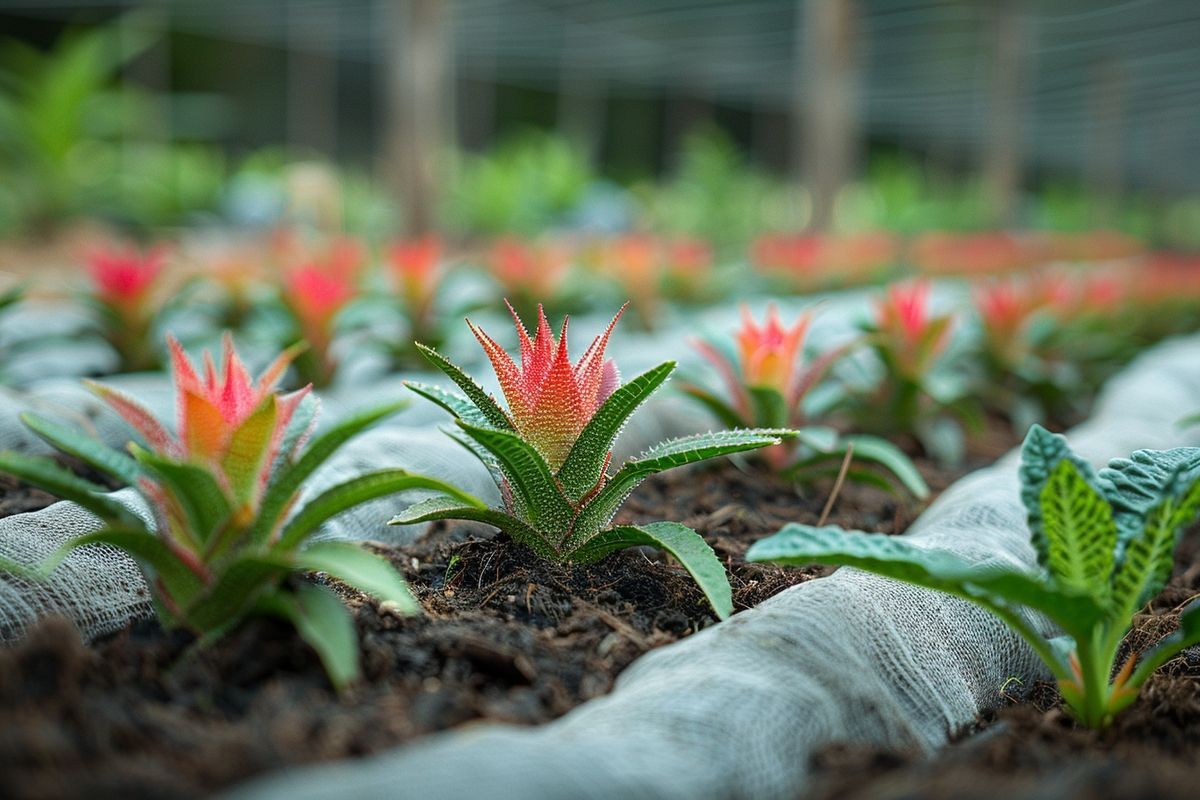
(419, 102)
(312, 77)
(1007, 74)
(825, 112)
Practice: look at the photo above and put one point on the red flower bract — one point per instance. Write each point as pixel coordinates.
(317, 294)
(123, 276)
(549, 400)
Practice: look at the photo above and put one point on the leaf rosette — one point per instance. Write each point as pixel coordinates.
(551, 448)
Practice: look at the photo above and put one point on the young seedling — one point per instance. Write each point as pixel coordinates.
(1105, 543)
(123, 286)
(767, 381)
(227, 526)
(550, 450)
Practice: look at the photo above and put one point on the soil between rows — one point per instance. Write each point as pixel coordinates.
(1032, 749)
(505, 638)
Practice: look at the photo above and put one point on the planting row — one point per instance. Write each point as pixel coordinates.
(226, 528)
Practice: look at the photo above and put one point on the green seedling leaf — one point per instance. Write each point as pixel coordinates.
(1148, 560)
(1079, 531)
(683, 543)
(1040, 455)
(894, 557)
(1097, 577)
(599, 511)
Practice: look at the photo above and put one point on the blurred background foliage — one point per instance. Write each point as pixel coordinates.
(110, 114)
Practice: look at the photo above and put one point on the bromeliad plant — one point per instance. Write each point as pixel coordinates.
(226, 525)
(550, 450)
(914, 396)
(767, 380)
(418, 270)
(315, 294)
(124, 282)
(1105, 543)
(1025, 373)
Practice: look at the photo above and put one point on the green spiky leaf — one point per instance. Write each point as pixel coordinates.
(355, 492)
(530, 478)
(683, 543)
(583, 465)
(238, 586)
(364, 571)
(283, 488)
(475, 393)
(668, 455)
(63, 483)
(77, 443)
(324, 623)
(202, 500)
(455, 403)
(436, 508)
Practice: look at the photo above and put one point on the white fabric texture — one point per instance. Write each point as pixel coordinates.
(737, 710)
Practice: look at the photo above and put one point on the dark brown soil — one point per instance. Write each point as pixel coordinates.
(1032, 749)
(505, 637)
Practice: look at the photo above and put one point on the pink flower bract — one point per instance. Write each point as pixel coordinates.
(549, 400)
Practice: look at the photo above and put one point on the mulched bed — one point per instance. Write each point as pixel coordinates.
(505, 638)
(1032, 749)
